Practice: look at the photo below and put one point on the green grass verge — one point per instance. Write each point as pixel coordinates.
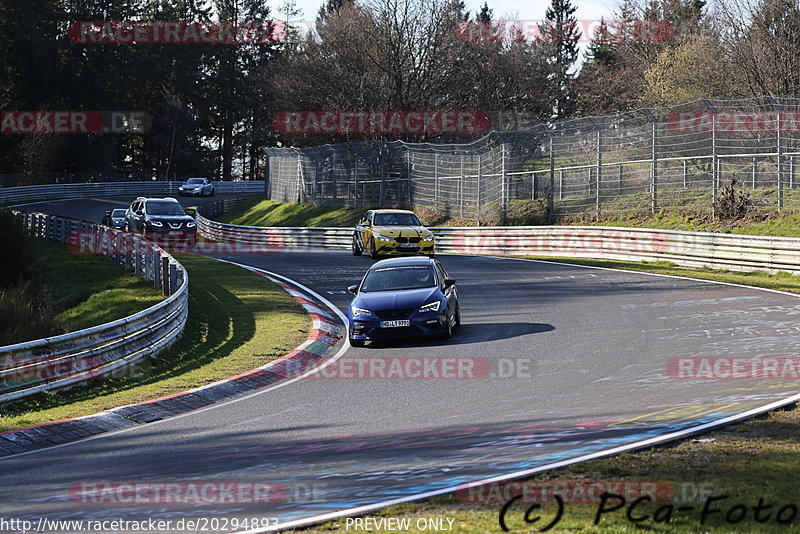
(237, 321)
(89, 290)
(260, 212)
(759, 458)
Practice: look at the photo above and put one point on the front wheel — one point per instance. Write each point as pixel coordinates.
(458, 317)
(373, 252)
(356, 248)
(448, 333)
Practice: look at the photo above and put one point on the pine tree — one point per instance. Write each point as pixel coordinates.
(560, 33)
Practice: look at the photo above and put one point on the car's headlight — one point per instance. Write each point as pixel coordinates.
(117, 221)
(361, 312)
(190, 225)
(384, 238)
(428, 238)
(432, 307)
(157, 224)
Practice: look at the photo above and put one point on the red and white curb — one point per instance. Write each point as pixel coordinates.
(326, 332)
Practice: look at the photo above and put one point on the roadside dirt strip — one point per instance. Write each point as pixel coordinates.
(326, 332)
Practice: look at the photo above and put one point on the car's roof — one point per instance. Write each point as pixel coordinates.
(396, 262)
(159, 199)
(393, 211)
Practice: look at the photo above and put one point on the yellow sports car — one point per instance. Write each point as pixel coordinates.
(390, 233)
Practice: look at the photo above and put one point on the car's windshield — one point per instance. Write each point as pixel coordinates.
(164, 208)
(118, 213)
(396, 219)
(400, 277)
(194, 181)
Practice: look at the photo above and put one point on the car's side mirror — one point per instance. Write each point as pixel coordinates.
(449, 282)
(353, 289)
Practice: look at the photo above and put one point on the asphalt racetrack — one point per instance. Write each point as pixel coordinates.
(558, 362)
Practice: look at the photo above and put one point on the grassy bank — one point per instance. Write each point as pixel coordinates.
(237, 321)
(756, 459)
(66, 292)
(259, 212)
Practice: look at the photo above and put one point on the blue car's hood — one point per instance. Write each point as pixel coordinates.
(391, 300)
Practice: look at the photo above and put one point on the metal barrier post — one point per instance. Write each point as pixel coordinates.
(164, 275)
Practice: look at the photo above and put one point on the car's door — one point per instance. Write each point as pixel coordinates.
(364, 230)
(134, 217)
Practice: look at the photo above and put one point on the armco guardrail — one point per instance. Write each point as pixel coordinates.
(65, 360)
(10, 195)
(691, 249)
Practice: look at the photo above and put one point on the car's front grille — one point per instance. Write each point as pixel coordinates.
(175, 226)
(407, 239)
(402, 313)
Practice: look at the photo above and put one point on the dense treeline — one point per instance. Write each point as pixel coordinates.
(212, 104)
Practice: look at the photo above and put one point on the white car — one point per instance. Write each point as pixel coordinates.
(199, 187)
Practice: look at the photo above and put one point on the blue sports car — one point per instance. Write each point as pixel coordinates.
(403, 297)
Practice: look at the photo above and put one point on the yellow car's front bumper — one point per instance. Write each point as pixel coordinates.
(393, 248)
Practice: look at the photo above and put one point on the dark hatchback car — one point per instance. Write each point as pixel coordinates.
(403, 297)
(114, 219)
(158, 216)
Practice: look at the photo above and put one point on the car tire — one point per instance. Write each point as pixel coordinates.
(458, 317)
(211, 194)
(373, 252)
(356, 248)
(357, 342)
(126, 228)
(448, 332)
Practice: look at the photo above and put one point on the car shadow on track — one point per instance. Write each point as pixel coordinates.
(469, 333)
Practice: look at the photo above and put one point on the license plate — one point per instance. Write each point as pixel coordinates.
(395, 324)
(407, 245)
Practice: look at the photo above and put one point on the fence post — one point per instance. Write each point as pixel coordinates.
(461, 189)
(714, 169)
(435, 180)
(684, 174)
(619, 180)
(754, 174)
(503, 185)
(408, 180)
(355, 180)
(560, 185)
(791, 172)
(779, 140)
(383, 177)
(551, 192)
(478, 202)
(599, 170)
(654, 169)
